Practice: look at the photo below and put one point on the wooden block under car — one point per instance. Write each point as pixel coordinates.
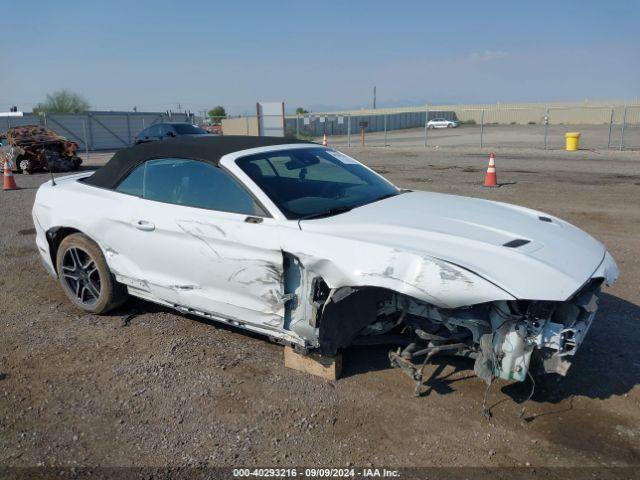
(326, 367)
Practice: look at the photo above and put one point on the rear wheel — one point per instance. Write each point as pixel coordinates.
(24, 165)
(85, 277)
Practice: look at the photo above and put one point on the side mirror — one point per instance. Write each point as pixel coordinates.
(171, 134)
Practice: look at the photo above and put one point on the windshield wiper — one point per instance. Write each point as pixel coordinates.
(327, 213)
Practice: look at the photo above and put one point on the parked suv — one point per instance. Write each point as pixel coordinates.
(158, 131)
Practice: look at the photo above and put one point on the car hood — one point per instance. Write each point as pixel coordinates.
(554, 263)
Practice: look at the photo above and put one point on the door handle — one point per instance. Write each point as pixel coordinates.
(144, 225)
(253, 220)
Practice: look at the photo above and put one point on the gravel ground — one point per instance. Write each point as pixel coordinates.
(167, 389)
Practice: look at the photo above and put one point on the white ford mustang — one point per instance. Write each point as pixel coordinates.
(307, 246)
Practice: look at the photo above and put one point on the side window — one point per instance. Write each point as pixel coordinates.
(196, 184)
(165, 130)
(133, 183)
(154, 131)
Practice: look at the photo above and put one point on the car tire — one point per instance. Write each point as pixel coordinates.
(23, 165)
(85, 277)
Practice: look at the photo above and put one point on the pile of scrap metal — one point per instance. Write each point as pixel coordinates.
(42, 149)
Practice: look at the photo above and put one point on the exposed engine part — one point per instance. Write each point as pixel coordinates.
(501, 336)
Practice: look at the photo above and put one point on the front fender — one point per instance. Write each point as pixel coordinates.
(350, 263)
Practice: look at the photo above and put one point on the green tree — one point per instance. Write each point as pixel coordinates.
(301, 111)
(63, 101)
(217, 113)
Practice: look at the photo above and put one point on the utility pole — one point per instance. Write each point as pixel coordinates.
(374, 97)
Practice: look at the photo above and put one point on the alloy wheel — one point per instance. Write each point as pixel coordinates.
(80, 273)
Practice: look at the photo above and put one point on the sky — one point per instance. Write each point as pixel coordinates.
(320, 55)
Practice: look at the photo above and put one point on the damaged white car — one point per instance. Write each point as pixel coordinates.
(309, 247)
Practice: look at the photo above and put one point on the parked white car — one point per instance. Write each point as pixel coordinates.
(311, 248)
(442, 123)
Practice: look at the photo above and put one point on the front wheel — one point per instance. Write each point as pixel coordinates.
(85, 277)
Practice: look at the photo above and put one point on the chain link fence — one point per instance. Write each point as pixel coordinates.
(630, 129)
(600, 127)
(533, 127)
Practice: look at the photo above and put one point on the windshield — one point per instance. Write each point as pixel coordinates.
(188, 129)
(314, 182)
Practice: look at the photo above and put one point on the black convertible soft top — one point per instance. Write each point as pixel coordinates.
(205, 148)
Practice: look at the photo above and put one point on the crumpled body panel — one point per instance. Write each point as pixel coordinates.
(353, 263)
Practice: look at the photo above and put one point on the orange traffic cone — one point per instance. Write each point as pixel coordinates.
(324, 140)
(491, 178)
(8, 182)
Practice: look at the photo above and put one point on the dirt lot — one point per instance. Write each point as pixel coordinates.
(79, 389)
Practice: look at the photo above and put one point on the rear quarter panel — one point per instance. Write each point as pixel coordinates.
(101, 214)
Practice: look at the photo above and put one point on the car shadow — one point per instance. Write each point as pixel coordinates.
(135, 307)
(605, 365)
(361, 359)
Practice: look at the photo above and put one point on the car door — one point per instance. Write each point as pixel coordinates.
(204, 243)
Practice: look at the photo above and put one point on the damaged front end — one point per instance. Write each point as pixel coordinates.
(504, 337)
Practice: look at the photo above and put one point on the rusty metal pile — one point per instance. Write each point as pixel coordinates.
(42, 149)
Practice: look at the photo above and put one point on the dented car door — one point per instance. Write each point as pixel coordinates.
(213, 262)
(204, 260)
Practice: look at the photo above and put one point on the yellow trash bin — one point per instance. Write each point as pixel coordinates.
(573, 140)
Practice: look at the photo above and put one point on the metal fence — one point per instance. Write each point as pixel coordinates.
(630, 128)
(535, 126)
(532, 127)
(96, 130)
